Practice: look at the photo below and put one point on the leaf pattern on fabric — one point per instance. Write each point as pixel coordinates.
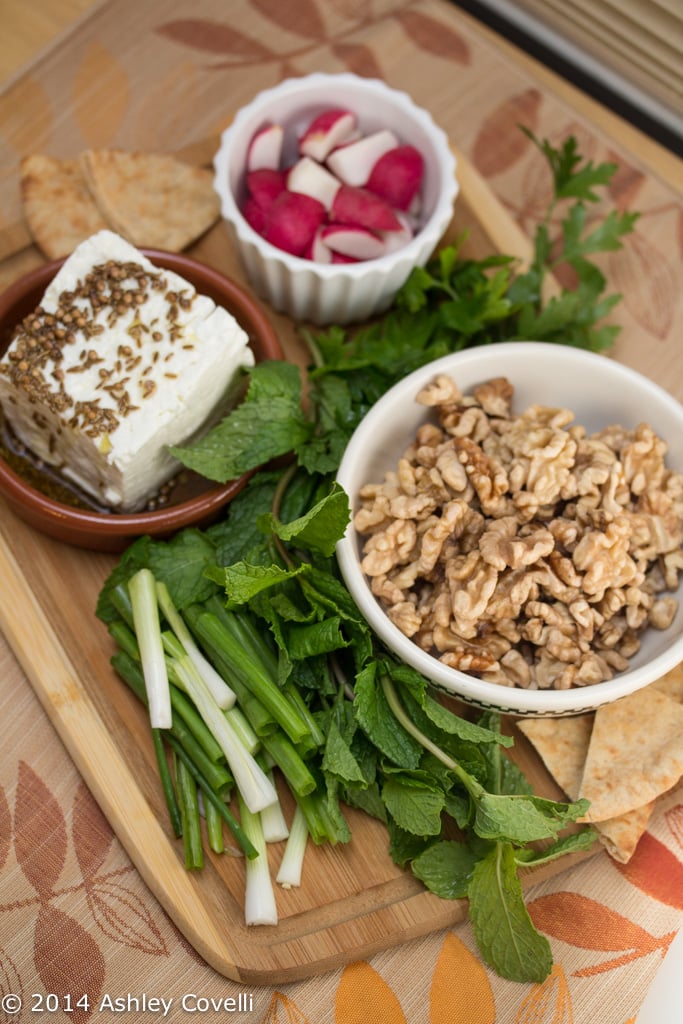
(499, 143)
(626, 183)
(122, 915)
(91, 833)
(27, 124)
(363, 995)
(656, 871)
(648, 283)
(99, 84)
(674, 819)
(68, 959)
(588, 924)
(40, 841)
(300, 16)
(169, 108)
(5, 827)
(451, 1003)
(359, 59)
(433, 36)
(214, 37)
(548, 1002)
(10, 980)
(281, 1010)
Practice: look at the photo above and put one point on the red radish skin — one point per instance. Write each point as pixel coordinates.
(265, 148)
(326, 132)
(265, 185)
(353, 163)
(292, 222)
(312, 179)
(351, 240)
(358, 206)
(397, 176)
(254, 215)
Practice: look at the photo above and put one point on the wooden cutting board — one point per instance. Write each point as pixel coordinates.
(354, 901)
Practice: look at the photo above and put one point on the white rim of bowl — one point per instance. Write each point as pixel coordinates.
(438, 221)
(479, 691)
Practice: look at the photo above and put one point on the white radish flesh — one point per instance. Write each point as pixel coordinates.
(325, 132)
(311, 179)
(354, 163)
(349, 240)
(265, 149)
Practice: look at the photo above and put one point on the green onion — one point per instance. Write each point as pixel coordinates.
(291, 865)
(147, 630)
(259, 898)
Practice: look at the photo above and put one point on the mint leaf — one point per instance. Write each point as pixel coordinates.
(269, 422)
(523, 819)
(446, 868)
(378, 723)
(319, 529)
(413, 803)
(505, 933)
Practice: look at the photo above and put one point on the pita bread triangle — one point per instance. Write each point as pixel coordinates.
(59, 209)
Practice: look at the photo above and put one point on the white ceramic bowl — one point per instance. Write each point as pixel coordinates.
(334, 293)
(600, 392)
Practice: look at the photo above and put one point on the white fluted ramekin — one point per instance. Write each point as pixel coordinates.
(334, 293)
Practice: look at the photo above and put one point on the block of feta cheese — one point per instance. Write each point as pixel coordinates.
(120, 360)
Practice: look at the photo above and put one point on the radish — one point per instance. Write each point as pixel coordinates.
(255, 215)
(394, 240)
(292, 221)
(265, 148)
(325, 132)
(317, 250)
(265, 185)
(312, 179)
(352, 240)
(353, 163)
(358, 206)
(397, 176)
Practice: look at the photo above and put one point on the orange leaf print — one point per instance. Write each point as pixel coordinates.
(281, 1010)
(549, 1002)
(168, 108)
(10, 980)
(213, 37)
(648, 282)
(363, 996)
(655, 870)
(674, 819)
(122, 915)
(301, 16)
(433, 36)
(39, 832)
(100, 94)
(450, 1003)
(27, 117)
(5, 827)
(358, 58)
(626, 182)
(91, 833)
(587, 924)
(500, 143)
(67, 958)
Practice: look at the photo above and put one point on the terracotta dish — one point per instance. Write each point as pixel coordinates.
(194, 504)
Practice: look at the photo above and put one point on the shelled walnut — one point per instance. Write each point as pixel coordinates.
(519, 548)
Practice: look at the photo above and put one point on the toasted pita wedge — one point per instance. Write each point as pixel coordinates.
(563, 745)
(58, 207)
(153, 200)
(635, 753)
(672, 684)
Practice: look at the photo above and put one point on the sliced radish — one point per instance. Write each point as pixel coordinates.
(317, 250)
(265, 148)
(292, 221)
(353, 163)
(397, 176)
(339, 257)
(325, 132)
(394, 240)
(352, 240)
(265, 185)
(312, 179)
(254, 214)
(358, 206)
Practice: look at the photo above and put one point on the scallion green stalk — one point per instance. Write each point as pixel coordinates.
(143, 598)
(259, 897)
